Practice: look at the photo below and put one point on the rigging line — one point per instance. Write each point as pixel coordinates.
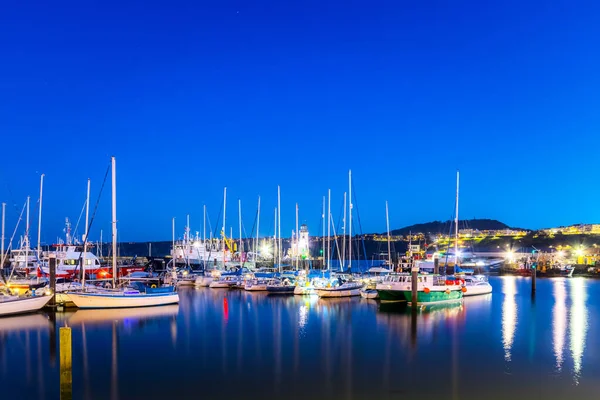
(89, 227)
(252, 234)
(335, 242)
(10, 247)
(79, 219)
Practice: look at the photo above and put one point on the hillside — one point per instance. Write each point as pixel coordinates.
(445, 226)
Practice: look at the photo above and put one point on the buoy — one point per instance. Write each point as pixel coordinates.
(153, 286)
(464, 289)
(427, 290)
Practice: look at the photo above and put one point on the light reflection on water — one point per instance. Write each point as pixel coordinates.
(221, 343)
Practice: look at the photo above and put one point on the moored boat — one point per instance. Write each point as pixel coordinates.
(126, 298)
(10, 305)
(430, 289)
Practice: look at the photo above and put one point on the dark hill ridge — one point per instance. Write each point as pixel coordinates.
(445, 226)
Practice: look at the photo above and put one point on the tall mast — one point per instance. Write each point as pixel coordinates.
(328, 229)
(114, 221)
(387, 221)
(297, 237)
(187, 229)
(223, 230)
(39, 244)
(173, 242)
(323, 215)
(456, 221)
(27, 233)
(257, 230)
(275, 237)
(240, 222)
(2, 245)
(101, 253)
(344, 235)
(204, 225)
(85, 238)
(279, 225)
(350, 217)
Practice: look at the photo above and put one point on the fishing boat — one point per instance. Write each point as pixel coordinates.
(10, 305)
(430, 289)
(225, 282)
(340, 287)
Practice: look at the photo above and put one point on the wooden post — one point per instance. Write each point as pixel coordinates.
(66, 378)
(436, 266)
(414, 277)
(52, 266)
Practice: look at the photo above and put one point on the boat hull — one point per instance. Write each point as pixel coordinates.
(477, 290)
(324, 293)
(434, 296)
(104, 300)
(280, 289)
(369, 294)
(23, 305)
(256, 287)
(204, 281)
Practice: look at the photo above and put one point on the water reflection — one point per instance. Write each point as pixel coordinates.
(559, 321)
(509, 315)
(578, 325)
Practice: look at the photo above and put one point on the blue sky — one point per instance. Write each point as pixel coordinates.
(192, 96)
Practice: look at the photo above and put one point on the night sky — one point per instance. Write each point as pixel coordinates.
(192, 96)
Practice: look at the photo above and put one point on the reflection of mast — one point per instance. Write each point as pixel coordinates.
(114, 384)
(86, 371)
(578, 325)
(559, 321)
(509, 315)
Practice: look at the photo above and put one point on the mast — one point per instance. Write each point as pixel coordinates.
(85, 238)
(27, 234)
(350, 217)
(39, 244)
(387, 220)
(279, 225)
(257, 229)
(101, 254)
(323, 215)
(275, 237)
(2, 245)
(187, 230)
(344, 235)
(456, 222)
(173, 243)
(297, 237)
(223, 230)
(114, 221)
(204, 225)
(240, 222)
(328, 229)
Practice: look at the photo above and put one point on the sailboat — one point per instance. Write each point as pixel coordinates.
(127, 297)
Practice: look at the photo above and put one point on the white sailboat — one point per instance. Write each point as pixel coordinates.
(19, 305)
(123, 298)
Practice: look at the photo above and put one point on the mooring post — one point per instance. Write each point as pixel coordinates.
(436, 265)
(533, 276)
(414, 277)
(66, 378)
(52, 266)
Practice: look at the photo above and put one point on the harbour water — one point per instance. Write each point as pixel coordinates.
(234, 344)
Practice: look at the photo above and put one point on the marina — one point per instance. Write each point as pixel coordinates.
(273, 345)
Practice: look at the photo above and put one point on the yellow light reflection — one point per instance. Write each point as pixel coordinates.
(578, 324)
(559, 321)
(509, 315)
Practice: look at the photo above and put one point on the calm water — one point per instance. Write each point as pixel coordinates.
(219, 343)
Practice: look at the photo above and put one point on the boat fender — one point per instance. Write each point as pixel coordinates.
(449, 282)
(447, 291)
(427, 290)
(464, 289)
(153, 286)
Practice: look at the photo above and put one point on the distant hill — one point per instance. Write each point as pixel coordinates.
(445, 226)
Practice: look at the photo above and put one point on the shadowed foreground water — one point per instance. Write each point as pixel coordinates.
(220, 343)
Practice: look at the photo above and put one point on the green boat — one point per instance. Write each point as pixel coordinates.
(431, 289)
